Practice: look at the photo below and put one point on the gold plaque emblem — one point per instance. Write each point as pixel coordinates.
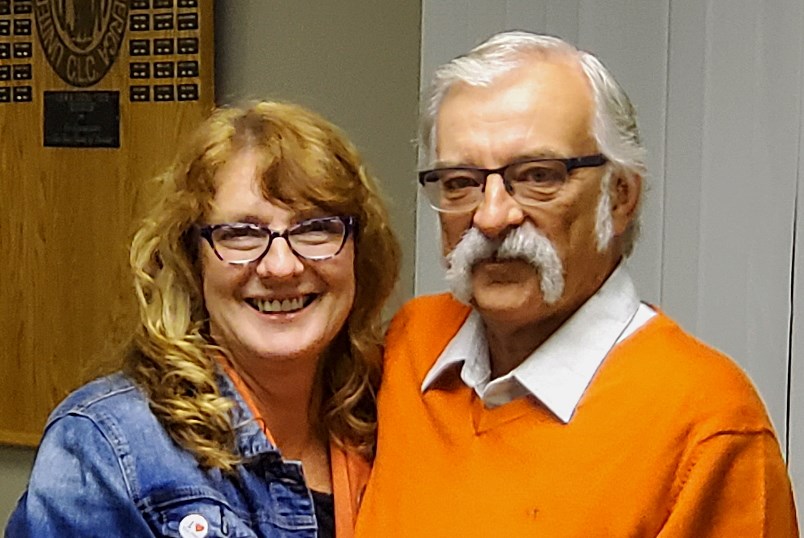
(81, 39)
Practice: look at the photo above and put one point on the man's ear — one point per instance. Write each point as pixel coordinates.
(626, 191)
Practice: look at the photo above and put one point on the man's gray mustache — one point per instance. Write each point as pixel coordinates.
(524, 242)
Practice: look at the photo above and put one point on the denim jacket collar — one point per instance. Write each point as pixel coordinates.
(249, 433)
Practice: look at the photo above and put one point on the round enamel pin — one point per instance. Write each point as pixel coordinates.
(193, 526)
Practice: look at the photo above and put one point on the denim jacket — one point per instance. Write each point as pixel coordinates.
(106, 467)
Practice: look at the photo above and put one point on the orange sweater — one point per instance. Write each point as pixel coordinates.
(669, 440)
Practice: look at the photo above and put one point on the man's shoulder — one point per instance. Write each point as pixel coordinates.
(667, 345)
(423, 327)
(675, 366)
(431, 310)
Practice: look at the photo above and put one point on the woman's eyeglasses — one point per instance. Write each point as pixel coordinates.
(313, 239)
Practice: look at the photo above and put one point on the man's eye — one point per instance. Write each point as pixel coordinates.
(542, 174)
(453, 182)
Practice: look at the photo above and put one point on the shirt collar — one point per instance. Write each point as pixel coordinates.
(469, 347)
(558, 371)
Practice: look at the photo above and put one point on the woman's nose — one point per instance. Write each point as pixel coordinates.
(280, 260)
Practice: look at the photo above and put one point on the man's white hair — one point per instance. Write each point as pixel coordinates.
(615, 125)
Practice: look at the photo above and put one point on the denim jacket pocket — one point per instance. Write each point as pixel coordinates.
(194, 512)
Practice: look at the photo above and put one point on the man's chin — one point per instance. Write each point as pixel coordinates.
(507, 307)
(495, 274)
(496, 270)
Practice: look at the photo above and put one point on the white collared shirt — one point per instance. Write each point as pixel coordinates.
(558, 371)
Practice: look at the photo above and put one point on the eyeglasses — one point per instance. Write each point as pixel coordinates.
(530, 182)
(313, 239)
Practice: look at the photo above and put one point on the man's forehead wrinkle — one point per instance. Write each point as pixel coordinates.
(482, 147)
(545, 151)
(476, 141)
(524, 155)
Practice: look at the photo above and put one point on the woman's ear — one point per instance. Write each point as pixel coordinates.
(626, 191)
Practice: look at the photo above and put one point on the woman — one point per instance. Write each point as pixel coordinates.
(247, 399)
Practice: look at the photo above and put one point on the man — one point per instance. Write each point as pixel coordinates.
(550, 401)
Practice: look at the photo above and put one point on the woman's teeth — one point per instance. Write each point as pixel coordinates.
(285, 305)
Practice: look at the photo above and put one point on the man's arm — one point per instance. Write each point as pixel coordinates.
(734, 484)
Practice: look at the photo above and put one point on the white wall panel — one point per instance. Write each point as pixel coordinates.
(795, 441)
(684, 160)
(561, 19)
(730, 203)
(484, 18)
(523, 14)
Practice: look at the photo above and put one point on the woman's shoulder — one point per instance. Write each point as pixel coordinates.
(110, 419)
(114, 394)
(113, 412)
(103, 448)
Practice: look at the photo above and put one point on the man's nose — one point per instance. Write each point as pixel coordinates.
(280, 261)
(498, 211)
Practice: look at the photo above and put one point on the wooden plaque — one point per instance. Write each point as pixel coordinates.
(94, 96)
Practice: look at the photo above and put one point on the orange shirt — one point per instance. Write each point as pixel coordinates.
(670, 440)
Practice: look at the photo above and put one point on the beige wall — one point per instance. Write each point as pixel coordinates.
(15, 465)
(356, 62)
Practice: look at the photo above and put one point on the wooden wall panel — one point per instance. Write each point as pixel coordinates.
(66, 213)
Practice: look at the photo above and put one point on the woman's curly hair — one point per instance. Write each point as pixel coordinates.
(306, 162)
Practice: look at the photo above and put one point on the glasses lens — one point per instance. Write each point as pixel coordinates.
(239, 242)
(536, 181)
(453, 189)
(318, 238)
